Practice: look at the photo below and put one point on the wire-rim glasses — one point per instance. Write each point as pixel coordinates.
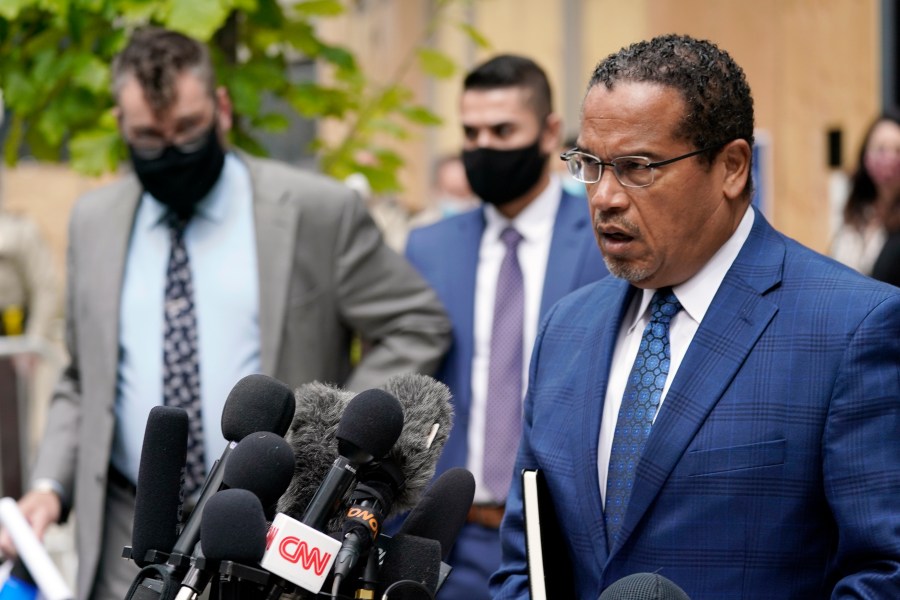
(630, 171)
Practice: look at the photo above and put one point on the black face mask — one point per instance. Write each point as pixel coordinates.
(500, 176)
(179, 179)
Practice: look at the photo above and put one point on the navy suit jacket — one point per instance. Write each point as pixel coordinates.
(773, 468)
(446, 254)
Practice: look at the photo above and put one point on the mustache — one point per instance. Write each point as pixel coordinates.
(622, 224)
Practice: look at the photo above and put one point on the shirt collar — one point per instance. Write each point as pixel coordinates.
(697, 293)
(535, 221)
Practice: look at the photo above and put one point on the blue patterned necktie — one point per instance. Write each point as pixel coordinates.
(638, 409)
(503, 415)
(181, 363)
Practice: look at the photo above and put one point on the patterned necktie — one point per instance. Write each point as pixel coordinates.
(181, 364)
(639, 405)
(503, 418)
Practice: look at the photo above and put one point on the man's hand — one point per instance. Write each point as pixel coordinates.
(40, 508)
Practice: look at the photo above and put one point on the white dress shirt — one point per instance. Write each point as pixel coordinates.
(535, 224)
(695, 296)
(221, 246)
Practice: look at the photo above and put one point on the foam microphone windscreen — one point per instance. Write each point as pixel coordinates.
(157, 502)
(262, 463)
(427, 419)
(311, 435)
(257, 403)
(644, 586)
(442, 511)
(410, 558)
(424, 402)
(371, 422)
(233, 527)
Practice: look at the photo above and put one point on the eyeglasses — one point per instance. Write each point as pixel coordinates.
(150, 148)
(631, 171)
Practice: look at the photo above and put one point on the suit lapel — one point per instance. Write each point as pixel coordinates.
(565, 255)
(462, 289)
(111, 250)
(593, 383)
(733, 324)
(275, 226)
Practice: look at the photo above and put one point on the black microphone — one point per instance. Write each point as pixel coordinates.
(368, 427)
(262, 463)
(411, 569)
(255, 403)
(426, 536)
(233, 527)
(644, 586)
(370, 502)
(427, 418)
(442, 512)
(157, 501)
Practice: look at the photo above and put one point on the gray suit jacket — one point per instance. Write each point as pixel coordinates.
(324, 273)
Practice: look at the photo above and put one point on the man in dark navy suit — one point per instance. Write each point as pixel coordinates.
(498, 269)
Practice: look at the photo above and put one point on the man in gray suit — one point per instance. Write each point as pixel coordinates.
(273, 269)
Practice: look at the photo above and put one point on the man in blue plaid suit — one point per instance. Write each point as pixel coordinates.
(772, 464)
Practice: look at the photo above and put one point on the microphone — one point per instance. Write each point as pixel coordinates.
(426, 536)
(255, 403)
(233, 527)
(370, 501)
(262, 463)
(157, 501)
(299, 551)
(411, 563)
(369, 426)
(644, 586)
(442, 512)
(427, 418)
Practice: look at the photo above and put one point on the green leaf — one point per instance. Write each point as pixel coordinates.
(90, 73)
(474, 35)
(245, 141)
(197, 18)
(138, 11)
(95, 151)
(390, 128)
(340, 57)
(437, 64)
(51, 125)
(10, 9)
(318, 8)
(244, 5)
(271, 122)
(311, 100)
(19, 92)
(421, 115)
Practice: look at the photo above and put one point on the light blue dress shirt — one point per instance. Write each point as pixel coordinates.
(221, 246)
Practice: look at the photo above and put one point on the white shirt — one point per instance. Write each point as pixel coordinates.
(221, 246)
(535, 224)
(695, 296)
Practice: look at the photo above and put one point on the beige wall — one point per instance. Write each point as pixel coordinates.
(812, 64)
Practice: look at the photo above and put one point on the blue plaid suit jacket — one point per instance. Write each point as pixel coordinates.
(773, 468)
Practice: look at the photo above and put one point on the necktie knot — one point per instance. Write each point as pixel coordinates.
(176, 226)
(664, 306)
(511, 238)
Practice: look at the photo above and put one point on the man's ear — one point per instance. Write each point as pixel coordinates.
(223, 109)
(550, 138)
(735, 158)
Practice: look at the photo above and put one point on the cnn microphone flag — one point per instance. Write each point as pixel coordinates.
(299, 553)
